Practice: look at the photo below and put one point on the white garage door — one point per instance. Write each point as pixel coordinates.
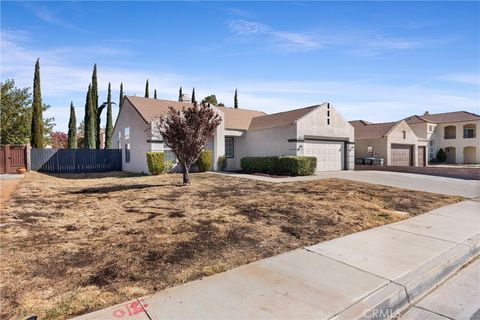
(329, 154)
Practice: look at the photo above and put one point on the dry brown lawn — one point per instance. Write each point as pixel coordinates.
(77, 243)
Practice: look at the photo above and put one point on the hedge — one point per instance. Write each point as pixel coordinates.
(294, 165)
(156, 162)
(204, 161)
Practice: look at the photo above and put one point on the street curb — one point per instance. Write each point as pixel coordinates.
(403, 292)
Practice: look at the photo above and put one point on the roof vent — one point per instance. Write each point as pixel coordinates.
(426, 113)
(185, 98)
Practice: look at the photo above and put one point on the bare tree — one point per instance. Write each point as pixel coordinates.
(187, 132)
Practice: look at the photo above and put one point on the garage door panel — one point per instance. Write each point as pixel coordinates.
(401, 155)
(330, 155)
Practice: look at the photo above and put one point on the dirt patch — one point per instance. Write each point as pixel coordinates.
(85, 243)
(8, 186)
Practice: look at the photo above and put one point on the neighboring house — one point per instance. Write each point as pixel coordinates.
(318, 131)
(416, 140)
(395, 142)
(454, 132)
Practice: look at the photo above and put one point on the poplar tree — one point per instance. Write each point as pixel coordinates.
(180, 94)
(72, 129)
(120, 98)
(235, 100)
(89, 121)
(155, 94)
(193, 95)
(36, 134)
(109, 125)
(147, 95)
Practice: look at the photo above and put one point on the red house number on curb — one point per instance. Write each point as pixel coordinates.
(129, 309)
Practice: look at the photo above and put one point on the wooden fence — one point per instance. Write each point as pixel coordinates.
(76, 160)
(12, 157)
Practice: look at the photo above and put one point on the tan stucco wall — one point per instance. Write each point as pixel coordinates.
(379, 148)
(395, 136)
(459, 143)
(262, 143)
(129, 117)
(315, 124)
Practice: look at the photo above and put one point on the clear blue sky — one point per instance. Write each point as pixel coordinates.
(379, 61)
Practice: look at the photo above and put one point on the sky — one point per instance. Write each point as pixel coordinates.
(377, 61)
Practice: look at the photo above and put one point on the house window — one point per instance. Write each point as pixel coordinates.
(328, 113)
(127, 133)
(430, 128)
(369, 149)
(328, 121)
(119, 141)
(431, 150)
(404, 134)
(170, 155)
(469, 131)
(229, 147)
(127, 152)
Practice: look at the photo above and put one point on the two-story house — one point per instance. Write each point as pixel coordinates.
(454, 132)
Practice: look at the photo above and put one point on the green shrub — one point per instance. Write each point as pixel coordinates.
(258, 164)
(294, 165)
(222, 163)
(441, 156)
(204, 161)
(297, 165)
(169, 164)
(156, 162)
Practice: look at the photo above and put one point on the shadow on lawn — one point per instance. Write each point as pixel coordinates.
(94, 175)
(108, 189)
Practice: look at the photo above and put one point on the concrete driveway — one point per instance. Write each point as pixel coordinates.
(420, 182)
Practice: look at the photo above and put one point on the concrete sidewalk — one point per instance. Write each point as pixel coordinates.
(457, 298)
(371, 274)
(435, 184)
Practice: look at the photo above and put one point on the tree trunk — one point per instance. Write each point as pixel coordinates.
(186, 177)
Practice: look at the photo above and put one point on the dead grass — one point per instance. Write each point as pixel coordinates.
(83, 244)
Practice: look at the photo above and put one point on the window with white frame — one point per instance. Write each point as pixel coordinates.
(127, 133)
(229, 147)
(127, 152)
(369, 149)
(119, 141)
(169, 155)
(431, 150)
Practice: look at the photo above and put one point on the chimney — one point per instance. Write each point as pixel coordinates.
(426, 113)
(185, 98)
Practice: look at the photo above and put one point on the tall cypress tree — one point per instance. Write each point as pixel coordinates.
(89, 121)
(155, 94)
(180, 94)
(94, 97)
(109, 125)
(147, 94)
(36, 136)
(193, 95)
(72, 129)
(235, 100)
(120, 98)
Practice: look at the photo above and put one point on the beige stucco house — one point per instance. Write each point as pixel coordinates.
(416, 140)
(454, 132)
(318, 131)
(395, 142)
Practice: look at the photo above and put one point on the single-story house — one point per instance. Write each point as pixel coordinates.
(395, 142)
(318, 131)
(454, 132)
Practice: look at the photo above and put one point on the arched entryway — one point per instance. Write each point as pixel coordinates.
(470, 155)
(450, 152)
